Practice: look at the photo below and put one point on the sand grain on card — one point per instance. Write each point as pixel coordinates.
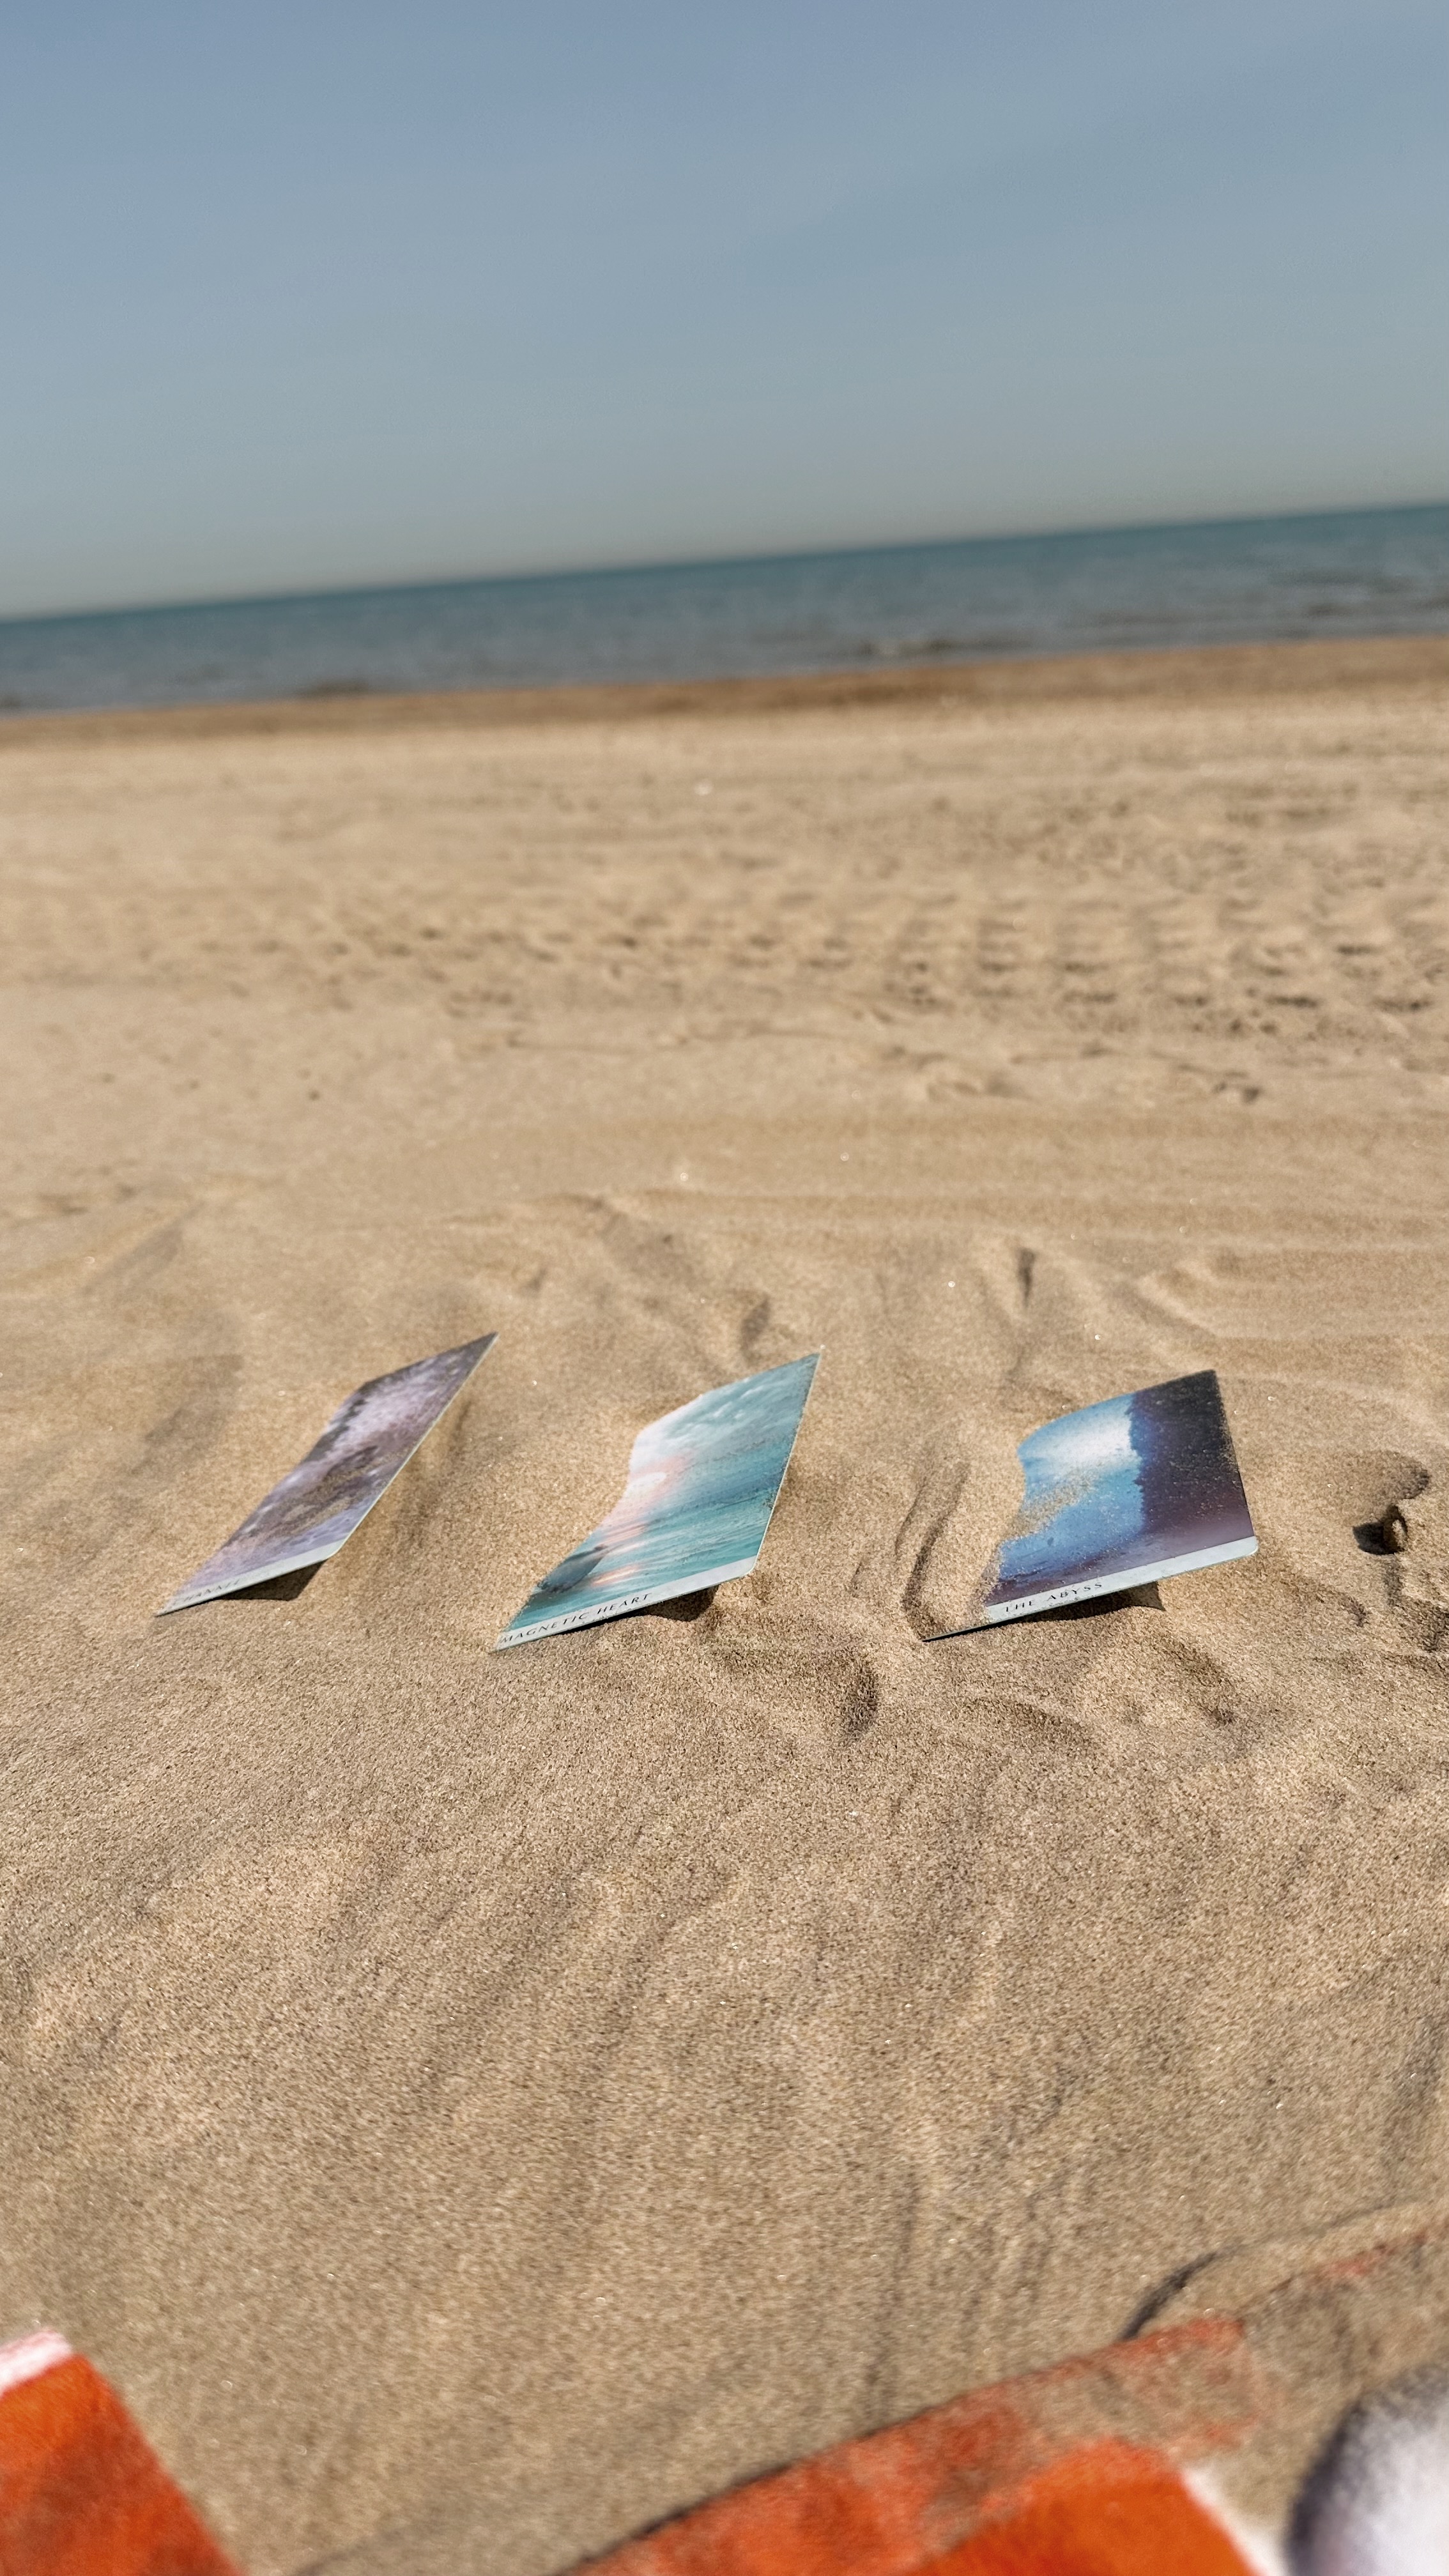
(473, 2105)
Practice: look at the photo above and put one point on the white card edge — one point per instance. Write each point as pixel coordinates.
(1096, 1586)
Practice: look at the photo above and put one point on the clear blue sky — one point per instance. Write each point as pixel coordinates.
(343, 291)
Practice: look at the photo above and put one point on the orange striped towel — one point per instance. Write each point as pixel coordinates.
(81, 2492)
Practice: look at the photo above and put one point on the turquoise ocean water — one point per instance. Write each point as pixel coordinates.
(702, 1485)
(1364, 572)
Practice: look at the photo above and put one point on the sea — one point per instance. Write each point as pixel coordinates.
(1226, 581)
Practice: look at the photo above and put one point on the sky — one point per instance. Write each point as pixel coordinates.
(342, 291)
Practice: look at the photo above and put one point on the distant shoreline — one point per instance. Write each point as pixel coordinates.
(1174, 671)
(1000, 541)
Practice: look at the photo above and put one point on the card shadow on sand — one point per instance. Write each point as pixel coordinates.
(275, 1587)
(686, 1606)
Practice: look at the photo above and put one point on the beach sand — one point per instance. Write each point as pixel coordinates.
(472, 2105)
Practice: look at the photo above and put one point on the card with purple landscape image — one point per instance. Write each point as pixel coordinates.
(319, 1503)
(1121, 1493)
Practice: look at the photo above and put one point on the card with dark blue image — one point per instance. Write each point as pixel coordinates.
(1121, 1493)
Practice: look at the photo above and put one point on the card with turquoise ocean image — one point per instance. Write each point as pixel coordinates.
(1122, 1493)
(702, 1484)
(318, 1505)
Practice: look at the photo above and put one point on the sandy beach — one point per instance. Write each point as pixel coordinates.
(474, 2105)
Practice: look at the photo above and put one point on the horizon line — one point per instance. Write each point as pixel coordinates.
(704, 562)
